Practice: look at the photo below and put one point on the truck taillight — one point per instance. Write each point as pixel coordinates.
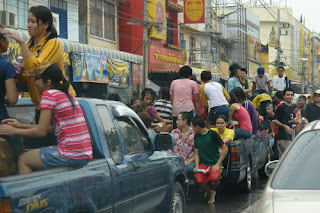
(5, 205)
(234, 156)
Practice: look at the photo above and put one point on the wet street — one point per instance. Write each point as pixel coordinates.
(228, 199)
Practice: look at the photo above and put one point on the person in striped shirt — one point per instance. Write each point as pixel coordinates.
(60, 112)
(163, 104)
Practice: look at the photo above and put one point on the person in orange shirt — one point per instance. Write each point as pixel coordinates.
(43, 46)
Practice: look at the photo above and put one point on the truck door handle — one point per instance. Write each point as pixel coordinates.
(136, 166)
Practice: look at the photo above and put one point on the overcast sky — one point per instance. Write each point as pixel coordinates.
(309, 9)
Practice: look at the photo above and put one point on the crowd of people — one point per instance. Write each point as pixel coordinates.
(204, 118)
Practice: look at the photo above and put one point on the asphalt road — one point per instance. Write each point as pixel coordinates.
(228, 198)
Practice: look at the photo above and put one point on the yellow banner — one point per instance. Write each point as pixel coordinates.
(118, 73)
(157, 11)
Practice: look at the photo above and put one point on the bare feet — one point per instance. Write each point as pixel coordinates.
(212, 197)
(206, 194)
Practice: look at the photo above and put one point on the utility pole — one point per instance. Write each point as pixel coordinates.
(279, 34)
(208, 32)
(145, 68)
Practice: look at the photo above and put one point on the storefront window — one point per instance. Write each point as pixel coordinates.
(169, 31)
(20, 9)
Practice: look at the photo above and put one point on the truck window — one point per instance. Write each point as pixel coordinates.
(111, 134)
(135, 141)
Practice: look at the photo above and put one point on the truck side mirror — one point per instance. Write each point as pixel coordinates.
(269, 167)
(163, 141)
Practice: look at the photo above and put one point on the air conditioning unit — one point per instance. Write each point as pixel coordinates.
(9, 19)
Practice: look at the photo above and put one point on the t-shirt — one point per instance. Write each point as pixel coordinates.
(228, 133)
(284, 114)
(152, 111)
(7, 71)
(279, 83)
(253, 115)
(208, 147)
(261, 83)
(214, 94)
(183, 147)
(68, 124)
(164, 109)
(244, 84)
(183, 91)
(312, 112)
(233, 83)
(243, 117)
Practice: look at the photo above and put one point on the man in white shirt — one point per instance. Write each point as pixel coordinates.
(280, 82)
(261, 82)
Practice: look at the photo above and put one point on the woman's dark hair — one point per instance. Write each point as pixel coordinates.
(146, 119)
(165, 93)
(186, 116)
(244, 70)
(239, 93)
(206, 76)
(233, 69)
(146, 91)
(222, 117)
(198, 121)
(44, 15)
(185, 72)
(59, 82)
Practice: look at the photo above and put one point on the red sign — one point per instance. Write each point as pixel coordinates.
(194, 11)
(164, 60)
(136, 74)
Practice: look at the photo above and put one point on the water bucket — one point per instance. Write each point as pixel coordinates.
(6, 158)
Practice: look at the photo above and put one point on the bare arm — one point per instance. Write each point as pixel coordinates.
(223, 154)
(29, 130)
(269, 87)
(12, 92)
(196, 159)
(227, 140)
(253, 87)
(196, 103)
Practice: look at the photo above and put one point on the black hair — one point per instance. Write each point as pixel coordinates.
(281, 67)
(302, 97)
(198, 121)
(59, 82)
(288, 89)
(146, 91)
(269, 105)
(44, 15)
(244, 70)
(165, 93)
(187, 116)
(146, 119)
(138, 108)
(1, 35)
(239, 93)
(258, 109)
(233, 98)
(206, 76)
(233, 69)
(185, 72)
(279, 95)
(222, 117)
(133, 99)
(114, 97)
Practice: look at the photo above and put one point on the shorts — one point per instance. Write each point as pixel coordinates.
(50, 158)
(208, 177)
(216, 111)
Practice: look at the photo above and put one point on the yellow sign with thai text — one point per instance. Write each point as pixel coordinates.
(194, 11)
(157, 11)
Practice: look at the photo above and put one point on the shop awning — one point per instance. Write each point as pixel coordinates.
(70, 46)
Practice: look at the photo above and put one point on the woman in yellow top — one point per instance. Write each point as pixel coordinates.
(227, 135)
(43, 46)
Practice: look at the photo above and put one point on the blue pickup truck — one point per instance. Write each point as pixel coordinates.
(245, 158)
(126, 173)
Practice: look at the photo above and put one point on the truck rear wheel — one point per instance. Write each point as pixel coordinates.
(178, 200)
(246, 183)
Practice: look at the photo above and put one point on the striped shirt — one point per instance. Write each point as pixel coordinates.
(68, 124)
(164, 109)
